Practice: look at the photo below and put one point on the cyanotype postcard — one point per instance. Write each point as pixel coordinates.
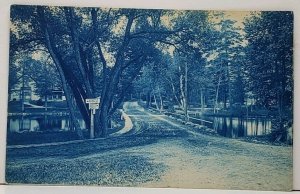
(150, 98)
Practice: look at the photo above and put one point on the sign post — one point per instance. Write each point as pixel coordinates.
(93, 106)
(92, 131)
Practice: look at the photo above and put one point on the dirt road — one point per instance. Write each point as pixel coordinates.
(197, 160)
(158, 152)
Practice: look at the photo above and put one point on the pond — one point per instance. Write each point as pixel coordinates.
(233, 127)
(240, 127)
(40, 123)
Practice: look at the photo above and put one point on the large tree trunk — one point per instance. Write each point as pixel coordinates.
(148, 99)
(217, 94)
(103, 120)
(174, 92)
(225, 101)
(77, 52)
(181, 87)
(183, 90)
(84, 69)
(46, 103)
(186, 93)
(156, 104)
(72, 111)
(112, 82)
(202, 100)
(58, 63)
(161, 102)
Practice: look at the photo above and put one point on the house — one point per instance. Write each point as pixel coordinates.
(17, 94)
(23, 90)
(22, 96)
(56, 95)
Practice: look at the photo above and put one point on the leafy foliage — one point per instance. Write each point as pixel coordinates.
(183, 58)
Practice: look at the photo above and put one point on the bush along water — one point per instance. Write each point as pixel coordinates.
(282, 130)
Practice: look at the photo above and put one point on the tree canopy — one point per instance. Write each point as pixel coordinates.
(183, 58)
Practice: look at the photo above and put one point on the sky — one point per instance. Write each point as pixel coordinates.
(238, 16)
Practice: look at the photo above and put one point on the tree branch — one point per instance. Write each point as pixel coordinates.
(132, 61)
(168, 32)
(21, 42)
(69, 12)
(125, 88)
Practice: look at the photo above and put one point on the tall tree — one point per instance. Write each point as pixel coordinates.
(270, 65)
(228, 58)
(270, 58)
(88, 45)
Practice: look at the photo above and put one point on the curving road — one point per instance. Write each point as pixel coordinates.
(194, 160)
(157, 152)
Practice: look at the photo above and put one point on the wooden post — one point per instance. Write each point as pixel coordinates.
(93, 106)
(92, 131)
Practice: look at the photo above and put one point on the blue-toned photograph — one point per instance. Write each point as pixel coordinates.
(150, 98)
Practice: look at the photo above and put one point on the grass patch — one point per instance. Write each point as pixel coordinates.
(107, 170)
(41, 137)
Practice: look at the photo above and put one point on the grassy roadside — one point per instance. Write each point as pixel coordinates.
(95, 162)
(110, 168)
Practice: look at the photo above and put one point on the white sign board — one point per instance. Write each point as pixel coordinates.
(92, 100)
(93, 105)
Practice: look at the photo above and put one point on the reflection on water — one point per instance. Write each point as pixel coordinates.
(41, 123)
(239, 127)
(233, 127)
(226, 126)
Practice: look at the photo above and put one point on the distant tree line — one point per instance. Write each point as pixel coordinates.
(226, 64)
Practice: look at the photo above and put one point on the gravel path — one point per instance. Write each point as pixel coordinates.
(158, 153)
